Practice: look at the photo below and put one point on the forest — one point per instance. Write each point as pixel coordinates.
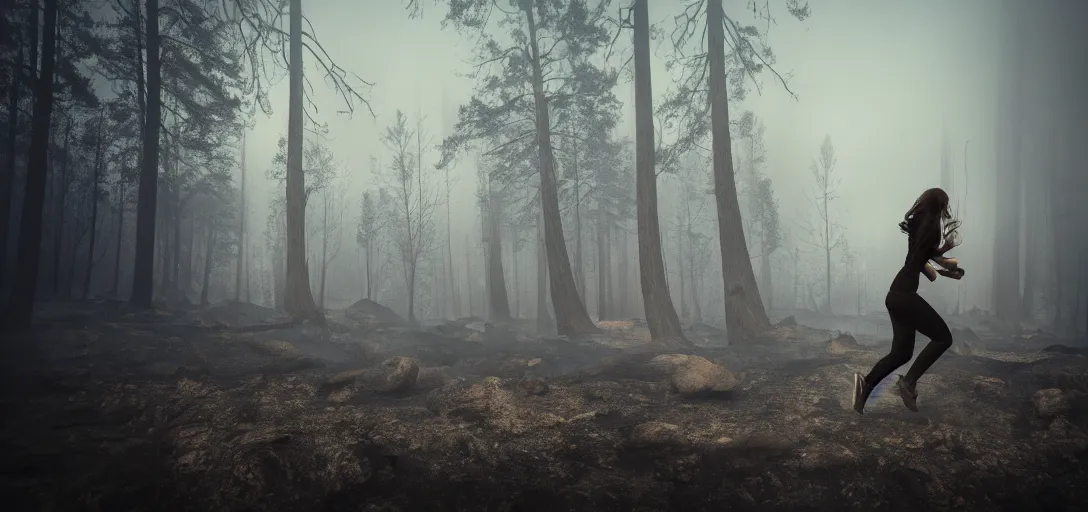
(535, 254)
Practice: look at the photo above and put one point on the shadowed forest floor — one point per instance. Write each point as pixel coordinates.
(110, 410)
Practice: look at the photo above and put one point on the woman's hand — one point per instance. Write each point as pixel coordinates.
(947, 263)
(956, 273)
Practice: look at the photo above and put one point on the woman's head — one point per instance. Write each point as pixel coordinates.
(933, 205)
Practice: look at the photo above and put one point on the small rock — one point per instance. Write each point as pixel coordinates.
(433, 377)
(654, 433)
(964, 339)
(789, 321)
(341, 395)
(345, 377)
(1061, 427)
(193, 389)
(1050, 403)
(274, 348)
(398, 374)
(534, 386)
(483, 401)
(534, 361)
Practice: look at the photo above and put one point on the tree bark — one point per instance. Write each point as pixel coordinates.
(661, 315)
(765, 270)
(209, 253)
(500, 304)
(324, 250)
(696, 311)
(515, 270)
(144, 265)
(543, 317)
(94, 207)
(58, 210)
(602, 266)
(176, 211)
(298, 299)
(241, 230)
(744, 312)
(279, 259)
(570, 312)
(21, 301)
(452, 282)
(8, 175)
(579, 266)
(120, 238)
(1006, 281)
(468, 277)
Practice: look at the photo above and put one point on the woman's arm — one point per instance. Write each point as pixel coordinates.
(930, 272)
(948, 263)
(925, 246)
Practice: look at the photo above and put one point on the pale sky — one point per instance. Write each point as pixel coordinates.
(878, 77)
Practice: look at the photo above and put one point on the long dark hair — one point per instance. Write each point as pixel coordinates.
(932, 206)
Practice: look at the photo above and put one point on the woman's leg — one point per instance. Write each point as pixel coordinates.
(931, 325)
(902, 350)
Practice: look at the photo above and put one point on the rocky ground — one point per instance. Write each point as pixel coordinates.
(110, 410)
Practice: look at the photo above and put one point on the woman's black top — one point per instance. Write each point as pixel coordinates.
(922, 243)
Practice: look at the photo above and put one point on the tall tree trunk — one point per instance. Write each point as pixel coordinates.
(412, 294)
(456, 299)
(602, 266)
(58, 211)
(187, 282)
(827, 281)
(623, 307)
(176, 210)
(209, 253)
(238, 275)
(1006, 282)
(697, 312)
(468, 277)
(570, 312)
(143, 270)
(8, 174)
(94, 206)
(796, 276)
(579, 264)
(279, 260)
(515, 269)
(765, 267)
(298, 299)
(500, 304)
(21, 301)
(608, 275)
(543, 317)
(661, 315)
(324, 250)
(744, 313)
(369, 258)
(120, 238)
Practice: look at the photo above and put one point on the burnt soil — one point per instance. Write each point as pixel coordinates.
(110, 410)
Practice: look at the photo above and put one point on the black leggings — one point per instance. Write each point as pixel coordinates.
(911, 313)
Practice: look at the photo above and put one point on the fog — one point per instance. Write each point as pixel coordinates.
(905, 92)
(543, 255)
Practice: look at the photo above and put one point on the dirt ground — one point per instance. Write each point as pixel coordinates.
(110, 410)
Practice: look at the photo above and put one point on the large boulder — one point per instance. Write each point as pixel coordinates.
(844, 344)
(369, 315)
(1051, 403)
(394, 375)
(690, 374)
